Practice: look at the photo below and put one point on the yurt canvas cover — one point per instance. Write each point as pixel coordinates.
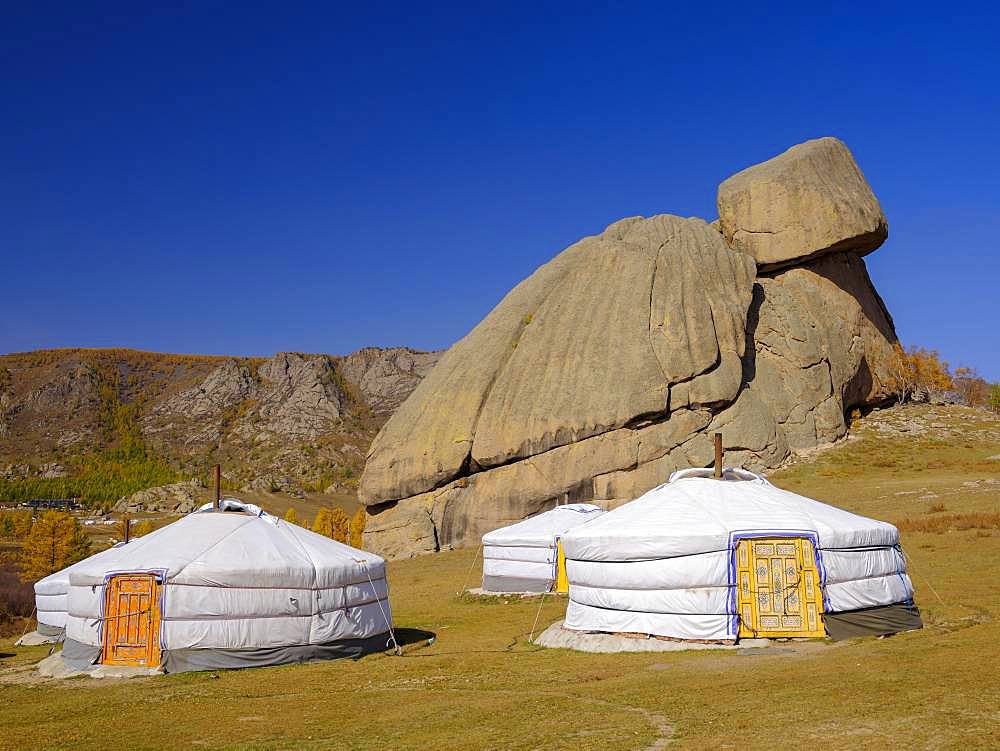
(224, 589)
(523, 557)
(52, 595)
(705, 559)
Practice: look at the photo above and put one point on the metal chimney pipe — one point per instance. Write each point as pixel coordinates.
(217, 471)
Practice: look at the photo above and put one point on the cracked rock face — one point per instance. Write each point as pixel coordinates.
(611, 365)
(385, 377)
(591, 342)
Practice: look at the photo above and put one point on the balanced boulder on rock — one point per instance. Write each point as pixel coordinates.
(810, 200)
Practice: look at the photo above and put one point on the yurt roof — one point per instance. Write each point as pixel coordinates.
(542, 529)
(695, 513)
(232, 547)
(58, 583)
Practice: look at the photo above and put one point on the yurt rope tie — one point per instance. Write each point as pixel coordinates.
(534, 625)
(378, 601)
(468, 573)
(28, 621)
(910, 567)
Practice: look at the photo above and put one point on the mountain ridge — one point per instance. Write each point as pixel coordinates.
(294, 420)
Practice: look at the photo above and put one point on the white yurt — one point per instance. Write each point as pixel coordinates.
(226, 588)
(707, 559)
(52, 595)
(525, 557)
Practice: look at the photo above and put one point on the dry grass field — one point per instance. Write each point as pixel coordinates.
(482, 685)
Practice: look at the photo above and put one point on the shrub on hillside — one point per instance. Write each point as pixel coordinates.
(17, 597)
(973, 390)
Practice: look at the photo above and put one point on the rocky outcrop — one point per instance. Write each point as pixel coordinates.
(385, 377)
(299, 397)
(810, 200)
(177, 498)
(611, 366)
(273, 484)
(306, 418)
(222, 389)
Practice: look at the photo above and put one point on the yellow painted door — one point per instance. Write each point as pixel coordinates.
(132, 621)
(778, 591)
(561, 583)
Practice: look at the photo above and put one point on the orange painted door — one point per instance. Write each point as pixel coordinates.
(132, 621)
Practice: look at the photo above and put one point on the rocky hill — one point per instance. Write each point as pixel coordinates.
(612, 365)
(289, 421)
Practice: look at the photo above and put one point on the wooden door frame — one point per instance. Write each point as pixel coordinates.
(813, 578)
(154, 650)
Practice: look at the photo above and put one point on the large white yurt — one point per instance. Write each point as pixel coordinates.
(226, 588)
(525, 557)
(700, 558)
(52, 595)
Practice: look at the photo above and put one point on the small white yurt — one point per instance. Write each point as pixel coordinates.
(525, 557)
(226, 588)
(707, 559)
(52, 595)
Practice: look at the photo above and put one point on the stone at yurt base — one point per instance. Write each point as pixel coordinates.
(524, 557)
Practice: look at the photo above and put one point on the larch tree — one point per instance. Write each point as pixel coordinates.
(291, 517)
(323, 523)
(340, 524)
(56, 541)
(358, 527)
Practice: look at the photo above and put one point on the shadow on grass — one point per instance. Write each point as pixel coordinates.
(406, 636)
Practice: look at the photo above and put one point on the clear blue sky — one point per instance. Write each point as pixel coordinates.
(207, 178)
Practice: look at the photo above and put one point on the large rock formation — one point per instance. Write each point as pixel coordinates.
(611, 365)
(810, 200)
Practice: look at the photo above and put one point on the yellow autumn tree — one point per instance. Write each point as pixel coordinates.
(358, 527)
(323, 523)
(340, 524)
(22, 524)
(143, 528)
(916, 373)
(291, 517)
(56, 541)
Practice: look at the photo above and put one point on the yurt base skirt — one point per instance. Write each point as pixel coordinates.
(55, 632)
(884, 619)
(515, 584)
(82, 656)
(845, 624)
